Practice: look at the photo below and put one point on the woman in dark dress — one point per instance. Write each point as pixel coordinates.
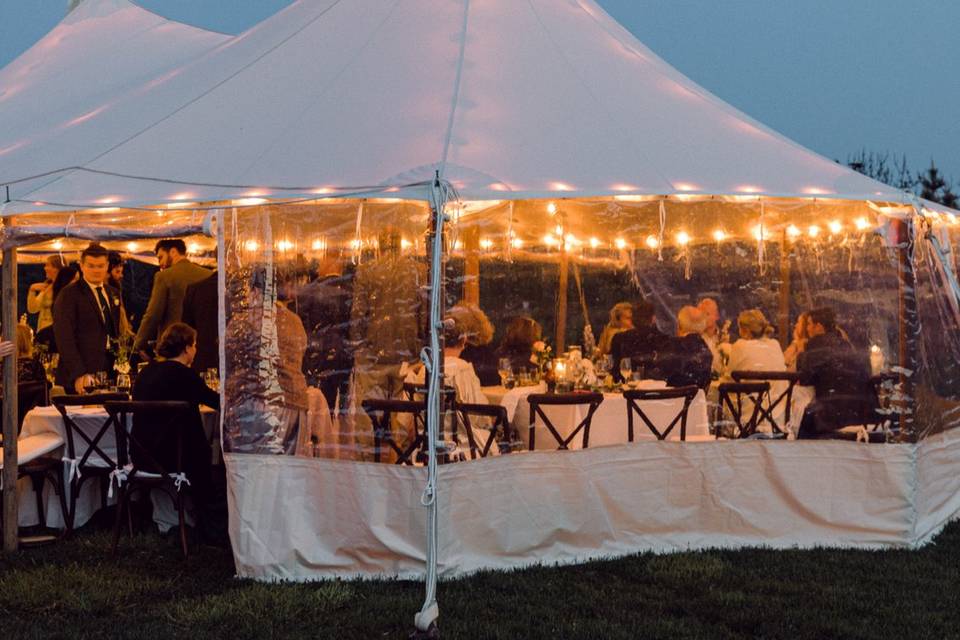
(479, 352)
(172, 379)
(518, 341)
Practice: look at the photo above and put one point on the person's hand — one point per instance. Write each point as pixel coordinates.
(83, 383)
(6, 348)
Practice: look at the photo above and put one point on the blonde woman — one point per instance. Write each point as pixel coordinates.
(757, 351)
(799, 344)
(621, 319)
(479, 350)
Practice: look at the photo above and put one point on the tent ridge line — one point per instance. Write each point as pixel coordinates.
(448, 136)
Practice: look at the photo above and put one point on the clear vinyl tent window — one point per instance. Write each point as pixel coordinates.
(327, 301)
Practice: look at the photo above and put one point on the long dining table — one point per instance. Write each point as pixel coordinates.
(609, 423)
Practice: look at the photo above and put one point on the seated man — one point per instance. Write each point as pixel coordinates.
(688, 359)
(643, 344)
(839, 374)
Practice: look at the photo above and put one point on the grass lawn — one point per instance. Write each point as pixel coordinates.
(73, 590)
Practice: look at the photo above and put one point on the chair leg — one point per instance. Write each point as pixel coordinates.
(183, 526)
(37, 479)
(72, 507)
(121, 502)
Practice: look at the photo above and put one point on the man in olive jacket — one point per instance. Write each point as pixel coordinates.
(169, 288)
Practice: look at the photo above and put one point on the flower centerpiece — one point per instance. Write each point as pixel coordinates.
(540, 355)
(122, 348)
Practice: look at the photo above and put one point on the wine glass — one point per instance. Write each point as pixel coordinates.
(102, 380)
(626, 370)
(504, 369)
(123, 383)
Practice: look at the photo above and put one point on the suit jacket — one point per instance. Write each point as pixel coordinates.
(645, 345)
(840, 374)
(201, 311)
(166, 300)
(687, 361)
(80, 332)
(324, 307)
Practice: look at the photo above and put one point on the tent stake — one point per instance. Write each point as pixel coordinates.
(10, 518)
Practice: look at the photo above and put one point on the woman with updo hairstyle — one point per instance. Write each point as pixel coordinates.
(171, 378)
(517, 344)
(479, 350)
(756, 350)
(621, 319)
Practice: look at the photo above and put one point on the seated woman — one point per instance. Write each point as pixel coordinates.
(479, 351)
(800, 338)
(517, 343)
(757, 351)
(621, 319)
(29, 368)
(459, 374)
(171, 378)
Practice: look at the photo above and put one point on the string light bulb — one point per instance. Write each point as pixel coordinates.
(758, 232)
(813, 231)
(251, 245)
(550, 240)
(862, 224)
(793, 232)
(193, 248)
(284, 245)
(719, 235)
(620, 244)
(405, 244)
(516, 243)
(57, 245)
(652, 242)
(594, 243)
(552, 209)
(132, 247)
(486, 244)
(835, 227)
(318, 245)
(683, 238)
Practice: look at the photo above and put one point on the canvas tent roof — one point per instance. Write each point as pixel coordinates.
(506, 99)
(104, 48)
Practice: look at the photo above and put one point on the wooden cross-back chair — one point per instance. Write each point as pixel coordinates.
(636, 396)
(539, 400)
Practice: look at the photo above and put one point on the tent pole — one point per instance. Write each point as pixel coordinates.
(908, 323)
(10, 517)
(562, 301)
(783, 317)
(471, 267)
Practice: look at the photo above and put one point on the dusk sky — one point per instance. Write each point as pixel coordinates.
(835, 75)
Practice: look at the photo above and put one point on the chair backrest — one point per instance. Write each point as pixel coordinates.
(635, 396)
(82, 447)
(170, 416)
(381, 413)
(29, 395)
(769, 406)
(499, 423)
(538, 400)
(732, 395)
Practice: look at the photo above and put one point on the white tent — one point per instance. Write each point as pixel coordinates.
(505, 99)
(102, 50)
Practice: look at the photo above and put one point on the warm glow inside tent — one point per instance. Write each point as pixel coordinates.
(577, 170)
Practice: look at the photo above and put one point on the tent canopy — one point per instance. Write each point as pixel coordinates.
(505, 99)
(102, 50)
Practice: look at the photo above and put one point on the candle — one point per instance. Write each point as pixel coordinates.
(876, 359)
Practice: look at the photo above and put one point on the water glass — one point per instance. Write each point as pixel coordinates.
(626, 370)
(504, 369)
(123, 383)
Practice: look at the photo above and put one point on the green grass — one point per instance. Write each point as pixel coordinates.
(73, 590)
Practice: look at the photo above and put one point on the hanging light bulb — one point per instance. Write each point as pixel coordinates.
(594, 243)
(355, 244)
(457, 245)
(758, 232)
(719, 235)
(318, 245)
(132, 247)
(516, 243)
(193, 248)
(683, 238)
(558, 230)
(486, 244)
(550, 240)
(835, 227)
(552, 209)
(620, 244)
(405, 244)
(862, 224)
(57, 245)
(813, 231)
(251, 245)
(652, 242)
(793, 232)
(284, 245)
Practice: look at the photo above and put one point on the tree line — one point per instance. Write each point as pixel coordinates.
(930, 184)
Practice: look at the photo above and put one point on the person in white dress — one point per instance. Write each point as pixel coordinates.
(459, 325)
(757, 351)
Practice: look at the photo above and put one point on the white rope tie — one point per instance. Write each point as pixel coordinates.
(179, 479)
(663, 224)
(121, 475)
(74, 471)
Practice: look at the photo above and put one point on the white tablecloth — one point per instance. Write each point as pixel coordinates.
(609, 425)
(47, 420)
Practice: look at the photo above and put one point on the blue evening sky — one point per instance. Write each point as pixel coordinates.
(835, 75)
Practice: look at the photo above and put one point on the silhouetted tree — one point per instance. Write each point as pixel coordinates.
(880, 167)
(934, 187)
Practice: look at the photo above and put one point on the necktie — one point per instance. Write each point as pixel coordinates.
(105, 312)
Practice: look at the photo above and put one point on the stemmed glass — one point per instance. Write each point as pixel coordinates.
(123, 383)
(504, 369)
(626, 370)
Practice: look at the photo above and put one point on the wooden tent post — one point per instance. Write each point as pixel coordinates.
(562, 302)
(471, 266)
(908, 324)
(783, 315)
(9, 319)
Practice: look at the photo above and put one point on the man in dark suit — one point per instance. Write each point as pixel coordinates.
(324, 307)
(643, 344)
(86, 317)
(839, 374)
(688, 359)
(170, 284)
(201, 310)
